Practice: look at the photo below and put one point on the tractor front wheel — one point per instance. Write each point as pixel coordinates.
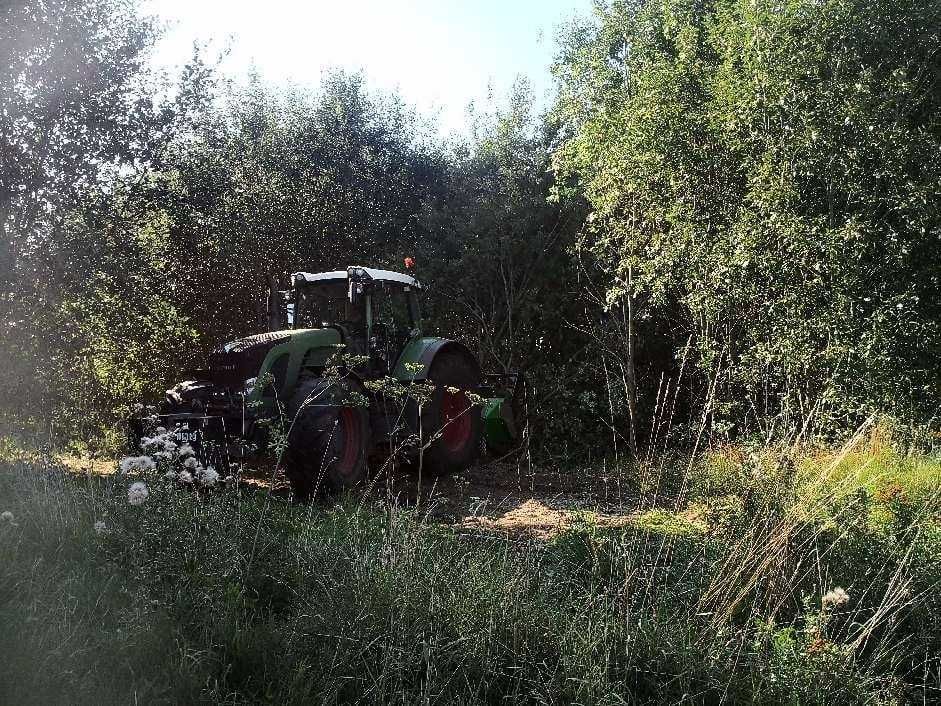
(328, 439)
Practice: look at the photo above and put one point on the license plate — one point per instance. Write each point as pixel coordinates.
(185, 433)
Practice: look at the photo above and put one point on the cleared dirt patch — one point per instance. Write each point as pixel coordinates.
(495, 498)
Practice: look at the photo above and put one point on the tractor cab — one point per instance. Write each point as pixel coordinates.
(376, 311)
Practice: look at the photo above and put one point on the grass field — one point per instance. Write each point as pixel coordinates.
(234, 596)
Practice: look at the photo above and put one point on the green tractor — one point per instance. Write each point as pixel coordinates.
(351, 376)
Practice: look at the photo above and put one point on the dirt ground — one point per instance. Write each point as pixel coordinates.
(496, 497)
(505, 498)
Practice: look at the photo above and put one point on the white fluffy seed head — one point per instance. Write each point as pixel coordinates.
(136, 464)
(137, 493)
(162, 441)
(207, 477)
(835, 597)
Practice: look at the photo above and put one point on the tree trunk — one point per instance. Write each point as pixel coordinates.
(630, 375)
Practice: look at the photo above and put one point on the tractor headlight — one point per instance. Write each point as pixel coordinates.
(249, 386)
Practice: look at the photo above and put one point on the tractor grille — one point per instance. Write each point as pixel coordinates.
(241, 359)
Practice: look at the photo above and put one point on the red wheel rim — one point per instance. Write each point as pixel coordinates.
(348, 429)
(455, 420)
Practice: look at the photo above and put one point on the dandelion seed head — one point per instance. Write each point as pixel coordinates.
(140, 464)
(137, 493)
(207, 477)
(100, 527)
(186, 477)
(835, 597)
(6, 516)
(161, 441)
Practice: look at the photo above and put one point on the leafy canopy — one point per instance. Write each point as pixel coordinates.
(768, 174)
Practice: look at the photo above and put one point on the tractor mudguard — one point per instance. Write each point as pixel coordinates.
(416, 359)
(300, 355)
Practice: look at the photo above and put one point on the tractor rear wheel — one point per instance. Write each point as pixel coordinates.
(451, 423)
(328, 440)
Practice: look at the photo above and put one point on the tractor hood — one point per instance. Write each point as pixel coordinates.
(234, 362)
(237, 361)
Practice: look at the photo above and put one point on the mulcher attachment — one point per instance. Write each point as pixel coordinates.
(504, 412)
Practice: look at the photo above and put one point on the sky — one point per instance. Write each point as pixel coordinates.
(439, 55)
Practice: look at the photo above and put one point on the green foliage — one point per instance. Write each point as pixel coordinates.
(742, 233)
(272, 182)
(496, 229)
(766, 177)
(501, 276)
(59, 134)
(88, 322)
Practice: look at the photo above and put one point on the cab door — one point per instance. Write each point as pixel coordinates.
(394, 321)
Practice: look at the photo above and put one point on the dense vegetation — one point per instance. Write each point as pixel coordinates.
(731, 212)
(767, 176)
(716, 257)
(814, 583)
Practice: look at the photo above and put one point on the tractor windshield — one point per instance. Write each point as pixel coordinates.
(327, 304)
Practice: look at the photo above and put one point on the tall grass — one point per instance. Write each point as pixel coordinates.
(349, 603)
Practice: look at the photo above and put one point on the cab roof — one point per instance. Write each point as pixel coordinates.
(369, 272)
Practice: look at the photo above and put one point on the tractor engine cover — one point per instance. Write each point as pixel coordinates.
(241, 359)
